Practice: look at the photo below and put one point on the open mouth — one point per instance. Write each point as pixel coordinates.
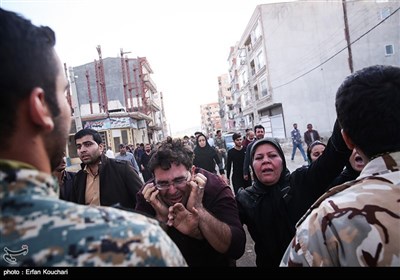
(358, 160)
(267, 171)
(175, 199)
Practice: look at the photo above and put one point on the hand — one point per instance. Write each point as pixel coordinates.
(197, 183)
(150, 193)
(184, 221)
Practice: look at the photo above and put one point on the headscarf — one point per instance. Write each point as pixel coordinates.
(312, 145)
(272, 141)
(274, 210)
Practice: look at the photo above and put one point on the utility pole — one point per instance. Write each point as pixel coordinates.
(124, 79)
(75, 102)
(89, 91)
(68, 90)
(102, 81)
(347, 36)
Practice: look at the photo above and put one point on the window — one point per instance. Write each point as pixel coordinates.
(244, 78)
(252, 68)
(264, 90)
(242, 100)
(260, 60)
(255, 90)
(257, 31)
(247, 99)
(389, 50)
(124, 135)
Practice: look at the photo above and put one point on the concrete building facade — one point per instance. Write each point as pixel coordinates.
(210, 118)
(292, 57)
(225, 103)
(118, 98)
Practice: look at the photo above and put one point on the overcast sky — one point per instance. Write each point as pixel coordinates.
(186, 42)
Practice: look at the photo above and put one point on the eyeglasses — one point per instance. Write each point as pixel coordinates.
(178, 183)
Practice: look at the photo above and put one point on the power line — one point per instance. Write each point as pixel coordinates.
(345, 48)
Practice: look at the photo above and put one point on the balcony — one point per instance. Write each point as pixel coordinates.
(154, 106)
(154, 126)
(146, 64)
(149, 83)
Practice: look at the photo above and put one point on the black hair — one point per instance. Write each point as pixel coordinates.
(27, 60)
(236, 136)
(259, 126)
(367, 106)
(169, 152)
(88, 131)
(312, 145)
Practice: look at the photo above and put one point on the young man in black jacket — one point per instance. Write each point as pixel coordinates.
(102, 181)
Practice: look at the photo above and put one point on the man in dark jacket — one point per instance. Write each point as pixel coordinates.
(65, 179)
(260, 132)
(102, 181)
(198, 207)
(311, 135)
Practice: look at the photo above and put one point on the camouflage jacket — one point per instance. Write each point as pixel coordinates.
(38, 229)
(354, 224)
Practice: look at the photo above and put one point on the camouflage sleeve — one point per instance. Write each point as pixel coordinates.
(170, 254)
(66, 234)
(352, 228)
(146, 243)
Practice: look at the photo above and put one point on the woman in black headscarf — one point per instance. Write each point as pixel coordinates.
(205, 156)
(277, 199)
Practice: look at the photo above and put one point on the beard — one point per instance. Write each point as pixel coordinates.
(57, 140)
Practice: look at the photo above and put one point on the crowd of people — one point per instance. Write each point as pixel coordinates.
(184, 201)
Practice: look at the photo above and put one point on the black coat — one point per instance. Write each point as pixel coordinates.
(271, 212)
(119, 183)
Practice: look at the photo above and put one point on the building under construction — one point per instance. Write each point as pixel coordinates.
(118, 98)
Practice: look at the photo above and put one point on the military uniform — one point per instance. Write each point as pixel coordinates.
(38, 229)
(354, 224)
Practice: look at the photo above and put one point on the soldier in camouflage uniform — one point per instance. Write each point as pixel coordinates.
(358, 223)
(36, 228)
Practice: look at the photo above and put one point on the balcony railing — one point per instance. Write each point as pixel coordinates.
(149, 83)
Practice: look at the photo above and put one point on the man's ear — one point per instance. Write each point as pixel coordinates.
(39, 111)
(102, 147)
(347, 140)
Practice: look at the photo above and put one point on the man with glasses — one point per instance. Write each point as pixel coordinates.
(197, 207)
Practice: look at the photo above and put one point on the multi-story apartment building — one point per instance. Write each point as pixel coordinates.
(293, 56)
(225, 103)
(118, 98)
(210, 118)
